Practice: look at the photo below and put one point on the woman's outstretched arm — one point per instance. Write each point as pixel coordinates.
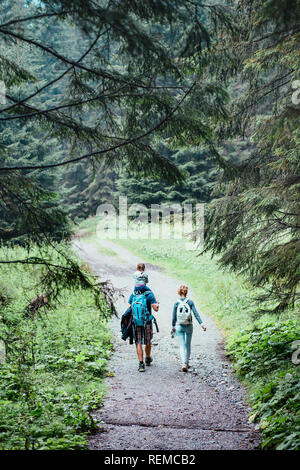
(197, 316)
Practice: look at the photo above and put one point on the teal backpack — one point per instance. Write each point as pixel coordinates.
(140, 313)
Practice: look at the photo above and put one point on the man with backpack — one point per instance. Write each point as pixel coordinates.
(141, 302)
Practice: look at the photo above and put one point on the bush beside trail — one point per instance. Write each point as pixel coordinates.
(262, 356)
(56, 359)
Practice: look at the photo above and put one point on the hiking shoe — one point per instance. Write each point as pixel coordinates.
(141, 367)
(184, 368)
(148, 361)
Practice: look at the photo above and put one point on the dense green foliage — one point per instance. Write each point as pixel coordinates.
(262, 353)
(197, 167)
(30, 206)
(51, 379)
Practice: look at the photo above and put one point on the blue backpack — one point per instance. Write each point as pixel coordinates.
(140, 314)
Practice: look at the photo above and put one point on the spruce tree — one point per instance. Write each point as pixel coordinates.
(198, 169)
(254, 221)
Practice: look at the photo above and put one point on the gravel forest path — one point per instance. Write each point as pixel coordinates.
(165, 408)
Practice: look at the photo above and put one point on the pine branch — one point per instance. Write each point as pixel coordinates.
(63, 59)
(34, 17)
(41, 112)
(109, 149)
(55, 80)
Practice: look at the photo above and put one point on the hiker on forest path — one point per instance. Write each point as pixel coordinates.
(141, 302)
(182, 324)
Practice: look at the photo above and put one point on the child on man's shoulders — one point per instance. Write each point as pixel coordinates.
(141, 279)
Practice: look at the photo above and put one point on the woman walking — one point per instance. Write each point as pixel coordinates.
(182, 323)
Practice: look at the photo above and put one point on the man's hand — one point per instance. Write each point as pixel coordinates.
(155, 307)
(203, 327)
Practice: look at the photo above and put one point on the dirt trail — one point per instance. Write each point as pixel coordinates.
(164, 408)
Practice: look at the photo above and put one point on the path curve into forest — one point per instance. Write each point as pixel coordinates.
(164, 408)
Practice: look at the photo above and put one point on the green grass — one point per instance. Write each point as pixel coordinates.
(55, 364)
(88, 225)
(101, 249)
